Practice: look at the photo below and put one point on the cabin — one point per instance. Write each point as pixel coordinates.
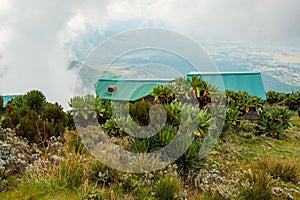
(250, 82)
(133, 90)
(126, 90)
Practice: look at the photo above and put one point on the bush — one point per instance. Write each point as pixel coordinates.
(167, 188)
(233, 118)
(258, 186)
(111, 128)
(55, 115)
(274, 120)
(29, 127)
(34, 100)
(286, 170)
(11, 117)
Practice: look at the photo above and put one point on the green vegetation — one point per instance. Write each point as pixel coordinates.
(256, 157)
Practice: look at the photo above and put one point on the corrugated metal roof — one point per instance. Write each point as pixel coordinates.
(250, 82)
(126, 90)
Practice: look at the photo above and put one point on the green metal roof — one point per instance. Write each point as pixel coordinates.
(127, 90)
(7, 98)
(250, 82)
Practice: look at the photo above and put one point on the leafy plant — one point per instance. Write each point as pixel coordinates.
(167, 188)
(111, 128)
(34, 100)
(29, 127)
(243, 101)
(233, 118)
(258, 186)
(274, 120)
(162, 94)
(166, 135)
(275, 98)
(11, 117)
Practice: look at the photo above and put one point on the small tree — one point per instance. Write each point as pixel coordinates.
(11, 117)
(29, 127)
(34, 100)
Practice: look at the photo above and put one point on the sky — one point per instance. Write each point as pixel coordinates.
(34, 35)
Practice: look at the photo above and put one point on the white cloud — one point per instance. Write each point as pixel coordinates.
(33, 33)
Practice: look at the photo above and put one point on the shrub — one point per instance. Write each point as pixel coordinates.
(143, 145)
(274, 120)
(11, 117)
(103, 109)
(190, 159)
(232, 120)
(54, 114)
(83, 110)
(243, 101)
(139, 111)
(275, 98)
(111, 128)
(34, 100)
(166, 135)
(167, 188)
(286, 170)
(29, 127)
(293, 101)
(175, 109)
(258, 186)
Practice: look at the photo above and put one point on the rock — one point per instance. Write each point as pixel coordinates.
(56, 159)
(294, 190)
(277, 191)
(290, 197)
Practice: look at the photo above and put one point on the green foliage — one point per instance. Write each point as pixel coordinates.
(293, 101)
(286, 170)
(103, 109)
(72, 173)
(11, 117)
(175, 109)
(102, 175)
(83, 109)
(139, 111)
(233, 118)
(29, 127)
(204, 124)
(190, 159)
(274, 120)
(143, 145)
(54, 114)
(275, 98)
(111, 128)
(167, 188)
(258, 187)
(162, 94)
(38, 129)
(166, 135)
(243, 101)
(182, 89)
(34, 100)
